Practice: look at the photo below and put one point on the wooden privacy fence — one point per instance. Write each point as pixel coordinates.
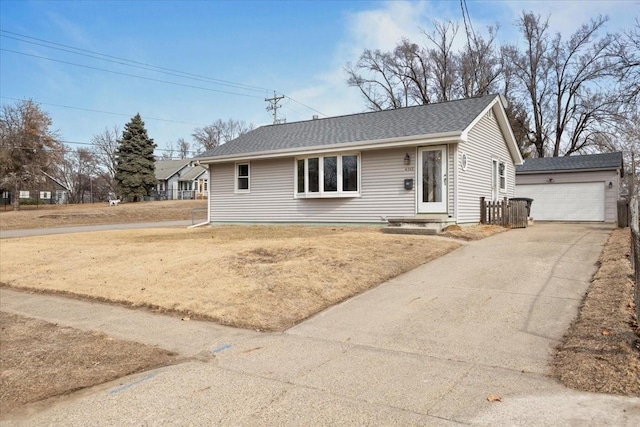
(623, 213)
(507, 213)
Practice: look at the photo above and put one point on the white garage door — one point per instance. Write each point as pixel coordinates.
(582, 201)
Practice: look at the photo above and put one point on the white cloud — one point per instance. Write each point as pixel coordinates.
(381, 28)
(384, 28)
(565, 17)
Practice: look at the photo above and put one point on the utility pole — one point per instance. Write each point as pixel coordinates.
(273, 105)
(632, 192)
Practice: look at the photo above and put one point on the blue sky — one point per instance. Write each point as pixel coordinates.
(251, 48)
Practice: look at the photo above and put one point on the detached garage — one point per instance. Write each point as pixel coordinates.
(574, 188)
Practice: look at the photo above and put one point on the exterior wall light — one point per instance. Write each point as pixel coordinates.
(407, 159)
(610, 185)
(551, 180)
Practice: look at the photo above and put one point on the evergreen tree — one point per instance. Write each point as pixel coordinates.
(135, 162)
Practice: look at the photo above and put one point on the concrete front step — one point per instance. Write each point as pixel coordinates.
(417, 225)
(424, 231)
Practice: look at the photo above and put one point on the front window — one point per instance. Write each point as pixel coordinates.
(327, 176)
(313, 177)
(300, 173)
(242, 177)
(330, 173)
(349, 173)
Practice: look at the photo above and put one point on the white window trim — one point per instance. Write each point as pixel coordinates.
(321, 193)
(236, 176)
(502, 189)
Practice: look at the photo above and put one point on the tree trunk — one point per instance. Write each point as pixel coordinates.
(16, 197)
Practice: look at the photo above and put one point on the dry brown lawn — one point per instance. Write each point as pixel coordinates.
(474, 232)
(599, 352)
(259, 277)
(41, 360)
(46, 216)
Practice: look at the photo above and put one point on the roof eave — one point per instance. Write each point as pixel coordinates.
(414, 140)
(56, 181)
(530, 172)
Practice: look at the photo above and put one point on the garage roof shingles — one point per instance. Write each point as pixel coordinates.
(605, 161)
(403, 122)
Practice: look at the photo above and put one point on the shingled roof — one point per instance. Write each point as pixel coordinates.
(165, 169)
(423, 120)
(193, 173)
(605, 161)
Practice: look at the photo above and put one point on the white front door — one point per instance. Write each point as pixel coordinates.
(432, 179)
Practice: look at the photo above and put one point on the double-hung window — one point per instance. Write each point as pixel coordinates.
(328, 176)
(242, 177)
(502, 176)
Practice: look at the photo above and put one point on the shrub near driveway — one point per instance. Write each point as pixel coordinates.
(259, 277)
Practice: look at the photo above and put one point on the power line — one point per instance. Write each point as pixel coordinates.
(107, 112)
(66, 149)
(141, 65)
(129, 62)
(304, 105)
(130, 75)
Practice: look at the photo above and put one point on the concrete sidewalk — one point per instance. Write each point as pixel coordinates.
(88, 228)
(425, 348)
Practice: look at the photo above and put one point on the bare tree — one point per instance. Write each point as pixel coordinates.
(183, 148)
(532, 69)
(208, 137)
(566, 83)
(375, 75)
(481, 65)
(105, 146)
(444, 61)
(414, 71)
(415, 75)
(220, 132)
(626, 50)
(168, 152)
(77, 171)
(28, 147)
(578, 66)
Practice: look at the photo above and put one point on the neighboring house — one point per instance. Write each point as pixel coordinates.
(47, 190)
(432, 161)
(572, 188)
(181, 179)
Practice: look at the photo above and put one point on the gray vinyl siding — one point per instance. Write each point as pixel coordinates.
(485, 142)
(611, 195)
(271, 197)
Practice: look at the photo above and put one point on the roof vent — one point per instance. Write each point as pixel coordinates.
(314, 117)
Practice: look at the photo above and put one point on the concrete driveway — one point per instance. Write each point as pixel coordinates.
(426, 348)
